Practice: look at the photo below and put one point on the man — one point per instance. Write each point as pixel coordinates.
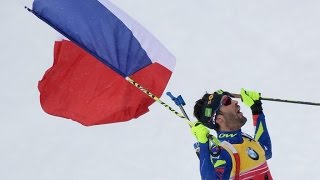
(233, 155)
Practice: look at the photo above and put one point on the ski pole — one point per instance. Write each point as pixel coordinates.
(137, 85)
(281, 100)
(180, 102)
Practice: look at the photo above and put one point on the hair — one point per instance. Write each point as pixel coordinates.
(197, 109)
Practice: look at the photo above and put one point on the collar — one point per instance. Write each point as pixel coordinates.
(233, 137)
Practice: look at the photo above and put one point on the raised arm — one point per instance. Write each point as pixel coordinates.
(252, 99)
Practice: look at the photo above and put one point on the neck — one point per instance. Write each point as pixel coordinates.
(226, 129)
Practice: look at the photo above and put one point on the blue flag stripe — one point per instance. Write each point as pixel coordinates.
(93, 27)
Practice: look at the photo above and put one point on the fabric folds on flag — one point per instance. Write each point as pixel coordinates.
(87, 80)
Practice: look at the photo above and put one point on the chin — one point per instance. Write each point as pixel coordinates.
(244, 120)
(242, 117)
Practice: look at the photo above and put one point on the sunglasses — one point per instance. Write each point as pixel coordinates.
(226, 101)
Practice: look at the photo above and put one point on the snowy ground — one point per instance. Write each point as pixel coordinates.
(271, 46)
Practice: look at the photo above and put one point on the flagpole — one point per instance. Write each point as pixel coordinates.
(137, 85)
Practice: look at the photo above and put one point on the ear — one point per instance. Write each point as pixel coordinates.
(219, 119)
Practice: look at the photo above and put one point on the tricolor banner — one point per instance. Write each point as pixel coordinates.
(104, 45)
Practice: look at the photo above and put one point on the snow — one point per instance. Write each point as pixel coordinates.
(269, 46)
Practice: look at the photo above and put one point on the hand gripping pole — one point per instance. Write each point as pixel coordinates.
(281, 100)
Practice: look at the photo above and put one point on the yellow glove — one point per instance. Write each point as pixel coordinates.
(200, 132)
(252, 99)
(249, 97)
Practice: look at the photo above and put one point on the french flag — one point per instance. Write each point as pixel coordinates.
(86, 82)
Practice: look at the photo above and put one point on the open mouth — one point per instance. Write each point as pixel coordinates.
(238, 111)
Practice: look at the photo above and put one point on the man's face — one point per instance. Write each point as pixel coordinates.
(233, 118)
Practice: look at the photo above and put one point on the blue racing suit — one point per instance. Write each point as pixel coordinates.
(239, 156)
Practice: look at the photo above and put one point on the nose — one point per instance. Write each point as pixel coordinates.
(235, 102)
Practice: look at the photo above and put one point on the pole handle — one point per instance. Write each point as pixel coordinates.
(171, 96)
(281, 100)
(155, 98)
(177, 100)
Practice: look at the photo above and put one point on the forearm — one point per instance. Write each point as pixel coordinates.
(261, 134)
(253, 100)
(207, 170)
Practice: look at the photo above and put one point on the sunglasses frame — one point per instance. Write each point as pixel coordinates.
(224, 102)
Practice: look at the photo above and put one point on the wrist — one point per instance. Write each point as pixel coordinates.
(203, 140)
(256, 108)
(207, 142)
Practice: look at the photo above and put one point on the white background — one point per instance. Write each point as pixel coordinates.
(270, 46)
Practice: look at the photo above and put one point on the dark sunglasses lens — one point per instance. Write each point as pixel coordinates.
(227, 101)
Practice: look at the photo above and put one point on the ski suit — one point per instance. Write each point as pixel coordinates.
(239, 156)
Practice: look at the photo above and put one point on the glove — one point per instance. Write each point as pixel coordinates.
(252, 99)
(200, 132)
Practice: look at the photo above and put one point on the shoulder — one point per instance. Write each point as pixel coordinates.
(247, 136)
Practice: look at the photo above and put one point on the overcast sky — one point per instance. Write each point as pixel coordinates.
(270, 46)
